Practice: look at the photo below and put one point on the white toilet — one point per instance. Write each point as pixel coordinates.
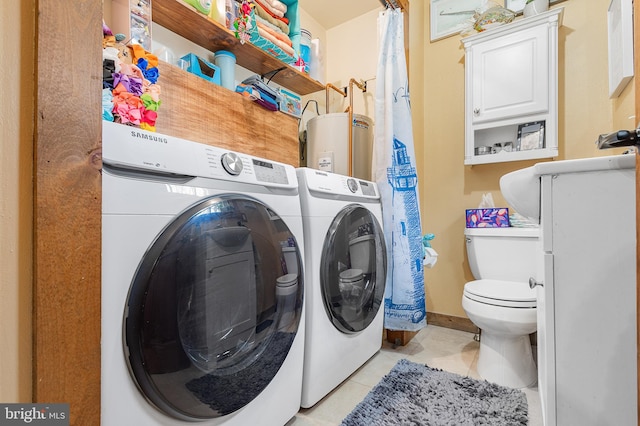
(287, 289)
(352, 281)
(290, 255)
(500, 302)
(362, 253)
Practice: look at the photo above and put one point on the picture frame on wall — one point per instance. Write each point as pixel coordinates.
(448, 17)
(620, 45)
(518, 5)
(515, 5)
(530, 136)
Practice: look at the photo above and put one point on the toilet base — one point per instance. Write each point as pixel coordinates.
(507, 360)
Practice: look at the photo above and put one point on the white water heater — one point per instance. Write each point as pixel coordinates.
(328, 141)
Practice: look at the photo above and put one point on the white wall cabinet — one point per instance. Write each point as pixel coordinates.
(511, 91)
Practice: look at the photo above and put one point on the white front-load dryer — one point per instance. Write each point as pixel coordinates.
(198, 323)
(345, 276)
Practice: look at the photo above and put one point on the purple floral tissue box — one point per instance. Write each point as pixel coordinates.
(488, 218)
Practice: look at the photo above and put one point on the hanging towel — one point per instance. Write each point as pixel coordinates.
(394, 171)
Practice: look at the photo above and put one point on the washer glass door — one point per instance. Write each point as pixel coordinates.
(353, 269)
(213, 308)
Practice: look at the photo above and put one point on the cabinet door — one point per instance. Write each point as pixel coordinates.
(594, 297)
(546, 344)
(546, 310)
(510, 75)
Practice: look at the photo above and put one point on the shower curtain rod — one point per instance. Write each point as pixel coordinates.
(391, 3)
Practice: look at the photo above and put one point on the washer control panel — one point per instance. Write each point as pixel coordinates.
(352, 185)
(267, 171)
(232, 163)
(138, 149)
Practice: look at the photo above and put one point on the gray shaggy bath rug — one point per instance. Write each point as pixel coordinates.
(415, 394)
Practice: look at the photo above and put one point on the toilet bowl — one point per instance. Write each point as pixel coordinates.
(351, 285)
(501, 304)
(286, 291)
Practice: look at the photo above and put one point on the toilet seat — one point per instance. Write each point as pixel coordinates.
(288, 280)
(501, 293)
(351, 276)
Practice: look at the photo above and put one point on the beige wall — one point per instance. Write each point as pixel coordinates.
(447, 187)
(350, 51)
(437, 96)
(16, 126)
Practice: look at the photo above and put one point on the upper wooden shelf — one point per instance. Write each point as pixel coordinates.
(183, 20)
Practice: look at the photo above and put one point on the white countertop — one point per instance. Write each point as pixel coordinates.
(612, 162)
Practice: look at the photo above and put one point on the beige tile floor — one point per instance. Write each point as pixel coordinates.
(438, 347)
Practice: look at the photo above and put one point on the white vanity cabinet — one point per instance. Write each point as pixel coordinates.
(586, 286)
(511, 91)
(587, 365)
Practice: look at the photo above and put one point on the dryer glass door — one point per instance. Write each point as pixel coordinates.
(353, 269)
(213, 308)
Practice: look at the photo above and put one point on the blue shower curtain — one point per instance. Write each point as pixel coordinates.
(394, 171)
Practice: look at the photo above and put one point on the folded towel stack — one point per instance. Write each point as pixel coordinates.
(276, 28)
(273, 11)
(519, 221)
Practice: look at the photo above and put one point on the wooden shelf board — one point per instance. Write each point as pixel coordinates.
(198, 110)
(502, 156)
(183, 20)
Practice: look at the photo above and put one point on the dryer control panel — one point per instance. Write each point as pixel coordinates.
(337, 186)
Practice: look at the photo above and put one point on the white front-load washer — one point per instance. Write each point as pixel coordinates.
(202, 284)
(345, 276)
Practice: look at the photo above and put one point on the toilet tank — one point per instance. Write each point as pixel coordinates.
(503, 253)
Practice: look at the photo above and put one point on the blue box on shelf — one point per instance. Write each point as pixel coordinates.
(290, 103)
(488, 218)
(202, 68)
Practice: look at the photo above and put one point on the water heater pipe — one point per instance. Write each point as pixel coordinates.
(328, 86)
(362, 85)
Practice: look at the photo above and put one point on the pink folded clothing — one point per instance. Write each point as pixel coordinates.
(285, 47)
(266, 23)
(273, 12)
(277, 22)
(277, 34)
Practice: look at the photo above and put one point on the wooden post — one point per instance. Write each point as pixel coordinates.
(400, 337)
(636, 65)
(67, 207)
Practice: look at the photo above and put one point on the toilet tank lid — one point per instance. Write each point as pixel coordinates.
(503, 232)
